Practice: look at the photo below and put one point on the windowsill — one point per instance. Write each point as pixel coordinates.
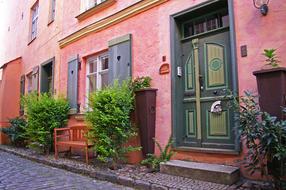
(95, 9)
(31, 40)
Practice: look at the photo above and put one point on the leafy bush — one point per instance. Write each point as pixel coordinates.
(140, 83)
(109, 121)
(44, 113)
(166, 154)
(16, 131)
(264, 136)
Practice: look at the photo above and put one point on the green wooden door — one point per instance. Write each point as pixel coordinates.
(203, 80)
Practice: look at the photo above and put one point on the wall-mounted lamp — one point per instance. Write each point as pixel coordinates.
(262, 5)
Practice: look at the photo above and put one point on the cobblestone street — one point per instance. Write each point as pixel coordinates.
(17, 173)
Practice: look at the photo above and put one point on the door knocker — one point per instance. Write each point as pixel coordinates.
(216, 107)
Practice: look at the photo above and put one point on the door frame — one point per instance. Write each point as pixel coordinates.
(176, 52)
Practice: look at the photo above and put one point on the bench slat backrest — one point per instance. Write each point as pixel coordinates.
(78, 133)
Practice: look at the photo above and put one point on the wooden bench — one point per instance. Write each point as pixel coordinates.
(71, 137)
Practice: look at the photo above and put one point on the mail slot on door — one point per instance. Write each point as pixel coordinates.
(216, 107)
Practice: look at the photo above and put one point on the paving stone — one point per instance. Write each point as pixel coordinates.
(18, 173)
(126, 181)
(158, 187)
(140, 184)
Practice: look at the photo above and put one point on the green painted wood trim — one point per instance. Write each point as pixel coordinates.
(119, 40)
(233, 52)
(189, 134)
(195, 43)
(189, 86)
(175, 47)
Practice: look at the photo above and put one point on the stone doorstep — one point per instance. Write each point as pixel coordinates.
(202, 171)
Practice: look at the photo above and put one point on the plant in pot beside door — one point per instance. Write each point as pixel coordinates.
(271, 83)
(145, 108)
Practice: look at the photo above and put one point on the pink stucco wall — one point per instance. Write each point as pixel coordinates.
(258, 33)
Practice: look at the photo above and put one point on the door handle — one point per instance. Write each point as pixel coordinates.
(201, 81)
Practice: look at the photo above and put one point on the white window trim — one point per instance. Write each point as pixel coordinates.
(98, 74)
(34, 20)
(88, 4)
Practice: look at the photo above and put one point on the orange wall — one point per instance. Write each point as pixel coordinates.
(9, 94)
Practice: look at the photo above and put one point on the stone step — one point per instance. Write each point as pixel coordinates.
(202, 171)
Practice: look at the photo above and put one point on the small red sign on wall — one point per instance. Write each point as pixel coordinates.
(164, 69)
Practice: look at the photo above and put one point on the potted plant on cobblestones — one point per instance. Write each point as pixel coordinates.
(145, 109)
(271, 82)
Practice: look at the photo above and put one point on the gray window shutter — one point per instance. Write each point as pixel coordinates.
(119, 59)
(73, 84)
(35, 79)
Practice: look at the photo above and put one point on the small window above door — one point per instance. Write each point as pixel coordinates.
(206, 23)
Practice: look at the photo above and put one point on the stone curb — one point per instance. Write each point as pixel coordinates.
(100, 175)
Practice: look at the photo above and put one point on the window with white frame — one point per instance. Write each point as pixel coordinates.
(29, 82)
(97, 73)
(88, 4)
(52, 10)
(34, 21)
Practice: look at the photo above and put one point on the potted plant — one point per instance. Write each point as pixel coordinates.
(145, 108)
(271, 83)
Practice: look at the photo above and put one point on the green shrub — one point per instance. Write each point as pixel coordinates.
(44, 113)
(140, 83)
(265, 139)
(109, 121)
(166, 154)
(16, 131)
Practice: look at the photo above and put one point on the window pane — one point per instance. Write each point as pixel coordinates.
(104, 80)
(225, 20)
(212, 23)
(199, 27)
(93, 66)
(92, 83)
(104, 63)
(188, 29)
